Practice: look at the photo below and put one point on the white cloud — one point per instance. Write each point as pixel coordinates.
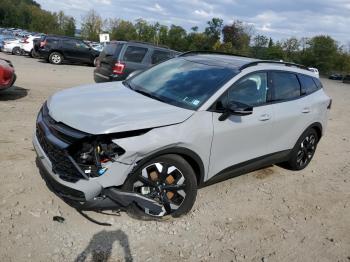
(275, 18)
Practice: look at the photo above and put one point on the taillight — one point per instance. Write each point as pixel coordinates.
(330, 104)
(43, 43)
(118, 68)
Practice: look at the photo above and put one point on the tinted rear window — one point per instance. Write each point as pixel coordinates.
(112, 49)
(286, 86)
(135, 54)
(318, 83)
(307, 84)
(160, 56)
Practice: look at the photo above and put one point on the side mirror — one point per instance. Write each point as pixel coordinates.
(237, 109)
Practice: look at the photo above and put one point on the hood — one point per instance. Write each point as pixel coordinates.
(111, 108)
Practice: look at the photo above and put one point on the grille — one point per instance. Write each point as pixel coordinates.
(61, 164)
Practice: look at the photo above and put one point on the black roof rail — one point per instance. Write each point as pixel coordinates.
(148, 43)
(210, 52)
(272, 62)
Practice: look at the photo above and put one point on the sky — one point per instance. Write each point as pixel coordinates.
(274, 18)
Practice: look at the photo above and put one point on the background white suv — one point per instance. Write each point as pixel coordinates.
(147, 143)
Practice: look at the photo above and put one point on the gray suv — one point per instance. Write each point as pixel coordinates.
(149, 142)
(120, 58)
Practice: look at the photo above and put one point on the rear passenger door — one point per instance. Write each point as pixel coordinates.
(291, 110)
(134, 59)
(76, 50)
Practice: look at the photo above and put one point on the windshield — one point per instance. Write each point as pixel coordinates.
(181, 82)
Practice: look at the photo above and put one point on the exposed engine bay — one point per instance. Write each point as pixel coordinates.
(95, 157)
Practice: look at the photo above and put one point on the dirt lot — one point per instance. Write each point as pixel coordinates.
(269, 215)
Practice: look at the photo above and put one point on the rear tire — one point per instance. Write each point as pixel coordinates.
(16, 51)
(168, 171)
(304, 150)
(56, 58)
(32, 53)
(94, 63)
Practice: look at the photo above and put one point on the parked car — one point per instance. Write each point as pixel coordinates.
(4, 38)
(28, 45)
(119, 58)
(346, 79)
(335, 77)
(7, 74)
(315, 70)
(12, 46)
(148, 142)
(56, 49)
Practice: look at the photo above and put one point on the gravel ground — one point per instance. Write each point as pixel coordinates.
(268, 215)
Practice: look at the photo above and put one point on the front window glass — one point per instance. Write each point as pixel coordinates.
(181, 82)
(250, 90)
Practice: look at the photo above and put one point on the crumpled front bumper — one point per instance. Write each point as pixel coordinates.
(82, 190)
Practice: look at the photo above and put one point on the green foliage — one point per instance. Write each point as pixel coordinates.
(91, 26)
(27, 14)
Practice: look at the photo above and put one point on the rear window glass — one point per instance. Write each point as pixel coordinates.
(318, 83)
(135, 54)
(286, 86)
(112, 49)
(160, 56)
(307, 84)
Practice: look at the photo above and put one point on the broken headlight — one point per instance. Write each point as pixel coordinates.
(94, 158)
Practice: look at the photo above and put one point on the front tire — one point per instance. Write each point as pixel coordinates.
(304, 150)
(169, 180)
(56, 58)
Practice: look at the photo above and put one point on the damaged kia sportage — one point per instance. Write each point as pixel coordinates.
(147, 143)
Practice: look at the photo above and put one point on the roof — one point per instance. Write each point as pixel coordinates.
(233, 61)
(140, 43)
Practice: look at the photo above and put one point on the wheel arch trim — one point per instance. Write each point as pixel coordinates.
(190, 156)
(318, 127)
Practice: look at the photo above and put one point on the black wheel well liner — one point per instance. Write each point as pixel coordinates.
(318, 128)
(191, 157)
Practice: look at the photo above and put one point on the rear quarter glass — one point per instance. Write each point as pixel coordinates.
(112, 49)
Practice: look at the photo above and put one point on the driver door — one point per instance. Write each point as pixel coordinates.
(242, 138)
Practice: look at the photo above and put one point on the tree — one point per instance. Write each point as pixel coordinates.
(238, 35)
(122, 30)
(163, 34)
(177, 38)
(291, 47)
(213, 30)
(91, 26)
(145, 31)
(260, 44)
(66, 24)
(322, 53)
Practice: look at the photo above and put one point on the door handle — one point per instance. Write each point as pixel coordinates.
(306, 110)
(264, 117)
